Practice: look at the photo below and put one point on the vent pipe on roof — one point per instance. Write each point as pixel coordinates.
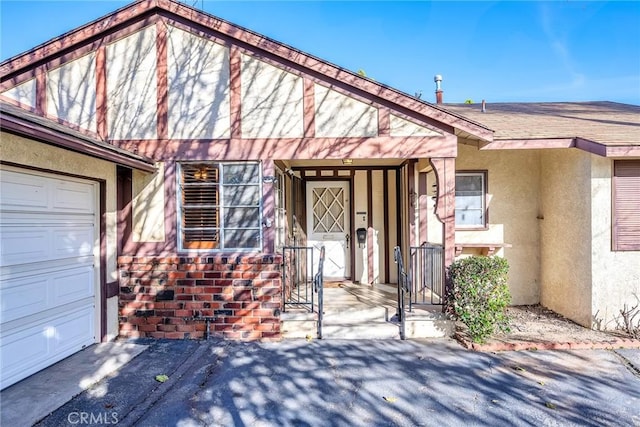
(438, 80)
(484, 106)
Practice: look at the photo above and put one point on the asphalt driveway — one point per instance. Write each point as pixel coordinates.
(360, 383)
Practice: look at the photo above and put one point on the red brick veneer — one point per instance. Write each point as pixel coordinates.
(235, 297)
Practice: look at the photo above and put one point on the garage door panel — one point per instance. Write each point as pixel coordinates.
(21, 191)
(20, 245)
(72, 196)
(30, 350)
(27, 296)
(72, 241)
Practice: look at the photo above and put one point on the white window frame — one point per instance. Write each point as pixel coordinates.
(280, 210)
(222, 208)
(484, 177)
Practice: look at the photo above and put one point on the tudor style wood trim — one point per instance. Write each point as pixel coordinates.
(370, 231)
(101, 93)
(384, 122)
(162, 80)
(445, 169)
(235, 97)
(385, 219)
(309, 108)
(423, 200)
(41, 93)
(295, 148)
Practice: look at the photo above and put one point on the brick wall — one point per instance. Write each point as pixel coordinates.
(235, 297)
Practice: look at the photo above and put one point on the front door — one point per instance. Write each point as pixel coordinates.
(328, 225)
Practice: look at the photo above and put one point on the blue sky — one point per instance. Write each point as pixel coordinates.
(498, 51)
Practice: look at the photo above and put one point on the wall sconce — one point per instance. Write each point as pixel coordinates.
(268, 179)
(347, 161)
(201, 174)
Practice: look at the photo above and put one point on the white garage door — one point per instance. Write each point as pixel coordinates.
(48, 237)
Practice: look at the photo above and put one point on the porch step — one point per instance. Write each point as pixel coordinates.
(336, 314)
(428, 324)
(299, 324)
(369, 331)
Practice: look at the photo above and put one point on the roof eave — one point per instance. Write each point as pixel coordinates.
(26, 128)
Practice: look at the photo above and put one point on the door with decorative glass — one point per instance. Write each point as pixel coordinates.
(328, 225)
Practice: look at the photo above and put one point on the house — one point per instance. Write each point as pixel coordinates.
(207, 148)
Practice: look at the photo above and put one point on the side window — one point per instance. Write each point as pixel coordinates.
(626, 205)
(471, 191)
(220, 206)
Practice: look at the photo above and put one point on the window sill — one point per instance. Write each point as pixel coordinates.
(488, 249)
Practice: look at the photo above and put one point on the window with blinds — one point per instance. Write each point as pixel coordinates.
(626, 205)
(220, 205)
(471, 192)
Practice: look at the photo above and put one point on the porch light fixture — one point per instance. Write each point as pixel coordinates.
(268, 179)
(347, 161)
(201, 174)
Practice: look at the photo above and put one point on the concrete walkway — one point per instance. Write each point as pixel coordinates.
(35, 397)
(361, 383)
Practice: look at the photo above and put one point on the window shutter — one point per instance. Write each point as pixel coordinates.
(626, 205)
(201, 206)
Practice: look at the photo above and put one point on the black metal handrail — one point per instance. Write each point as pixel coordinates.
(297, 277)
(426, 275)
(318, 284)
(404, 288)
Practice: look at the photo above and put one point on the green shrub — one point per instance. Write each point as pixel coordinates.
(479, 295)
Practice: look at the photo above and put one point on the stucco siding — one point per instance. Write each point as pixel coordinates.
(271, 101)
(512, 201)
(31, 153)
(148, 205)
(615, 274)
(71, 92)
(377, 193)
(360, 205)
(132, 86)
(24, 93)
(338, 115)
(565, 250)
(198, 79)
(403, 127)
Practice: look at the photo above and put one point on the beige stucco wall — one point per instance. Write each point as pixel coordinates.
(565, 252)
(24, 93)
(512, 200)
(132, 86)
(338, 115)
(198, 79)
(271, 101)
(71, 92)
(27, 152)
(615, 274)
(148, 205)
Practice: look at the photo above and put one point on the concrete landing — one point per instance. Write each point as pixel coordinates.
(35, 397)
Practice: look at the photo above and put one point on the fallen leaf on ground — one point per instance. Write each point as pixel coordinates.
(519, 368)
(309, 338)
(161, 378)
(550, 405)
(390, 399)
